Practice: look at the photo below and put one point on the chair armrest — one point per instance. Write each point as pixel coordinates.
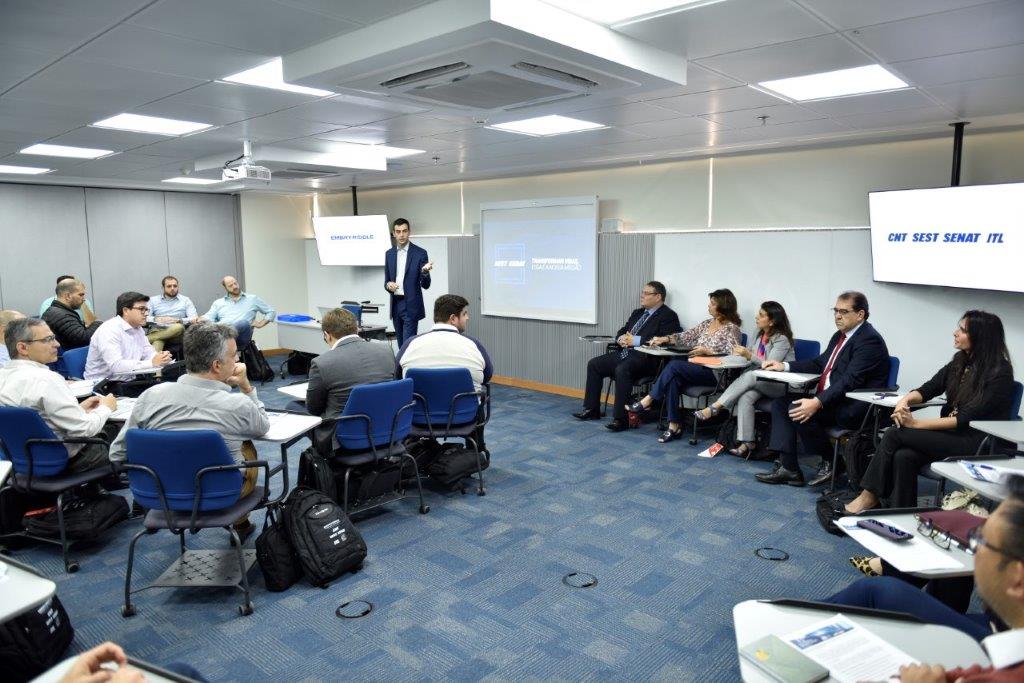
(82, 440)
(480, 396)
(131, 467)
(419, 398)
(248, 464)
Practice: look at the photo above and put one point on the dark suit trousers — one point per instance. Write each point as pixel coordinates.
(405, 326)
(812, 434)
(625, 371)
(892, 472)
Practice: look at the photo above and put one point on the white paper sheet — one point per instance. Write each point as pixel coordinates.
(849, 651)
(788, 377)
(82, 387)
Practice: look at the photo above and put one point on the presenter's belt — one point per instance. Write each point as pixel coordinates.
(398, 296)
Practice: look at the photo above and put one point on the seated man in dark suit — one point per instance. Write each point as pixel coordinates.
(652, 319)
(856, 358)
(351, 360)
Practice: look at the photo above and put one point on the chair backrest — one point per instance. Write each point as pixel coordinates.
(439, 386)
(58, 365)
(894, 372)
(806, 349)
(743, 339)
(381, 402)
(74, 361)
(176, 457)
(17, 425)
(356, 310)
(1018, 392)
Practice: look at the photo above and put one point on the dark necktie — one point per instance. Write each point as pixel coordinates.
(636, 328)
(831, 362)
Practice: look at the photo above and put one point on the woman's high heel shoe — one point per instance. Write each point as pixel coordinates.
(862, 564)
(707, 413)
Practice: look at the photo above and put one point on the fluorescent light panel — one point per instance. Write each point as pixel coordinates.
(271, 75)
(185, 180)
(618, 11)
(24, 170)
(65, 151)
(856, 81)
(548, 125)
(137, 123)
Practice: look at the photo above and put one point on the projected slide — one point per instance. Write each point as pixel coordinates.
(970, 237)
(538, 259)
(352, 240)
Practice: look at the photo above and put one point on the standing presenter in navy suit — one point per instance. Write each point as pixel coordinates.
(406, 275)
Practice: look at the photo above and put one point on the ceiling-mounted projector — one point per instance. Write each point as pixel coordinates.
(246, 169)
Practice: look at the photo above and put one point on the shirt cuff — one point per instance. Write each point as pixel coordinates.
(103, 411)
(636, 341)
(785, 366)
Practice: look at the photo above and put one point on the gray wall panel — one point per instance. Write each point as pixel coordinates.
(199, 245)
(43, 233)
(128, 232)
(550, 352)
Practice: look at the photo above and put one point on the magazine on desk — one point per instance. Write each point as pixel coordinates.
(849, 651)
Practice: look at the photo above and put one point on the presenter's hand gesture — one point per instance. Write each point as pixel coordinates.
(161, 359)
(773, 365)
(429, 265)
(391, 286)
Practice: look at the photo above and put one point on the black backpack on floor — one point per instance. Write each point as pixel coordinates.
(298, 363)
(275, 554)
(829, 508)
(324, 538)
(256, 366)
(33, 642)
(315, 473)
(857, 453)
(14, 504)
(84, 518)
(453, 465)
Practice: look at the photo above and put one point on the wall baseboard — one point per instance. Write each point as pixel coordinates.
(275, 352)
(537, 386)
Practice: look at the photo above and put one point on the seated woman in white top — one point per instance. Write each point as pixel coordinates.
(773, 340)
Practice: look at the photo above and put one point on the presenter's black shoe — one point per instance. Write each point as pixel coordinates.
(588, 414)
(781, 476)
(617, 426)
(823, 475)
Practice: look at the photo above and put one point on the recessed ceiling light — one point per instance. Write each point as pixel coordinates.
(185, 180)
(24, 170)
(137, 123)
(398, 152)
(65, 151)
(856, 81)
(271, 75)
(548, 125)
(619, 12)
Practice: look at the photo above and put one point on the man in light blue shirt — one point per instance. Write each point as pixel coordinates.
(239, 310)
(168, 314)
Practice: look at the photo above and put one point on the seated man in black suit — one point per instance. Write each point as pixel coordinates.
(856, 358)
(652, 319)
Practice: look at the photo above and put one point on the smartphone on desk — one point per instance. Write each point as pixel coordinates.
(782, 661)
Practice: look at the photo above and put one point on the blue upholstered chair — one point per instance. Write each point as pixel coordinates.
(74, 362)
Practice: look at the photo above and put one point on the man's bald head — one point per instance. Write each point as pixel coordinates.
(7, 316)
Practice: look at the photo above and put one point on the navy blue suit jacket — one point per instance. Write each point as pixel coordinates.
(415, 280)
(863, 363)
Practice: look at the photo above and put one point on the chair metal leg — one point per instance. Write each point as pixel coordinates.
(127, 609)
(424, 509)
(479, 467)
(245, 609)
(181, 540)
(835, 466)
(940, 491)
(70, 566)
(344, 493)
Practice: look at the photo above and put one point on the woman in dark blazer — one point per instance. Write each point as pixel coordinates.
(978, 383)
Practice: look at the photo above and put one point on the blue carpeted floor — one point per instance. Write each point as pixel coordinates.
(473, 590)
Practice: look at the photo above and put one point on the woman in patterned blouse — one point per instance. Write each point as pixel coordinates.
(716, 335)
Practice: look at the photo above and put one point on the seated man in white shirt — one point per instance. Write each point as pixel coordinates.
(119, 347)
(6, 317)
(26, 382)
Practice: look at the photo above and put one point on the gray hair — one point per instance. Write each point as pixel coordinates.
(69, 286)
(19, 330)
(206, 342)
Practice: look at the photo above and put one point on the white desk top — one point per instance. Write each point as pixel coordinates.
(296, 391)
(82, 388)
(924, 642)
(305, 323)
(21, 590)
(787, 377)
(1011, 430)
(955, 473)
(286, 426)
(893, 552)
(877, 399)
(658, 351)
(57, 671)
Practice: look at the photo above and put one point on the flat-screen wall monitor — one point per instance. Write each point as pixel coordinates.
(352, 240)
(968, 236)
(538, 259)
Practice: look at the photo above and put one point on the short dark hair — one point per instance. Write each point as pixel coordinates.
(128, 300)
(725, 302)
(1013, 543)
(448, 305)
(339, 323)
(64, 277)
(163, 283)
(19, 330)
(67, 286)
(400, 221)
(658, 288)
(857, 300)
(206, 342)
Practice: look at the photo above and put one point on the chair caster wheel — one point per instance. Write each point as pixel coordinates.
(424, 509)
(245, 610)
(127, 611)
(71, 567)
(481, 492)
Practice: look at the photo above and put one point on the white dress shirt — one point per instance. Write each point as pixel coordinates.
(28, 384)
(403, 255)
(1005, 649)
(117, 350)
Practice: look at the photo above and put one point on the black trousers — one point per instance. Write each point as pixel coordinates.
(846, 414)
(625, 371)
(892, 472)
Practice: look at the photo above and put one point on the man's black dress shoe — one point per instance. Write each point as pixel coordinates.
(781, 476)
(637, 407)
(617, 426)
(588, 414)
(823, 476)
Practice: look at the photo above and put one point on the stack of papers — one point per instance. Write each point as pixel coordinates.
(993, 474)
(849, 651)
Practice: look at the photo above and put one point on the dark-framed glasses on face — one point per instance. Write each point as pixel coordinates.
(45, 340)
(975, 541)
(841, 311)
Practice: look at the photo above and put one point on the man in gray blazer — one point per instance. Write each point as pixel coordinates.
(350, 361)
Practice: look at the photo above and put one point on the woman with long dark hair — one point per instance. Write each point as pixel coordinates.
(978, 383)
(772, 340)
(716, 335)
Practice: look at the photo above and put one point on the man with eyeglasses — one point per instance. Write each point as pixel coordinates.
(625, 364)
(26, 382)
(119, 347)
(350, 361)
(998, 548)
(856, 358)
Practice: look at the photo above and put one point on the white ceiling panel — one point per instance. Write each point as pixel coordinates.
(982, 98)
(154, 51)
(877, 102)
(816, 127)
(260, 26)
(684, 125)
(361, 135)
(279, 126)
(170, 108)
(974, 28)
(18, 63)
(195, 146)
(27, 131)
(479, 135)
(104, 138)
(248, 98)
(727, 27)
(718, 100)
(626, 114)
(24, 25)
(412, 126)
(99, 86)
(698, 79)
(30, 122)
(346, 110)
(964, 66)
(844, 14)
(898, 119)
(777, 114)
(358, 11)
(795, 58)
